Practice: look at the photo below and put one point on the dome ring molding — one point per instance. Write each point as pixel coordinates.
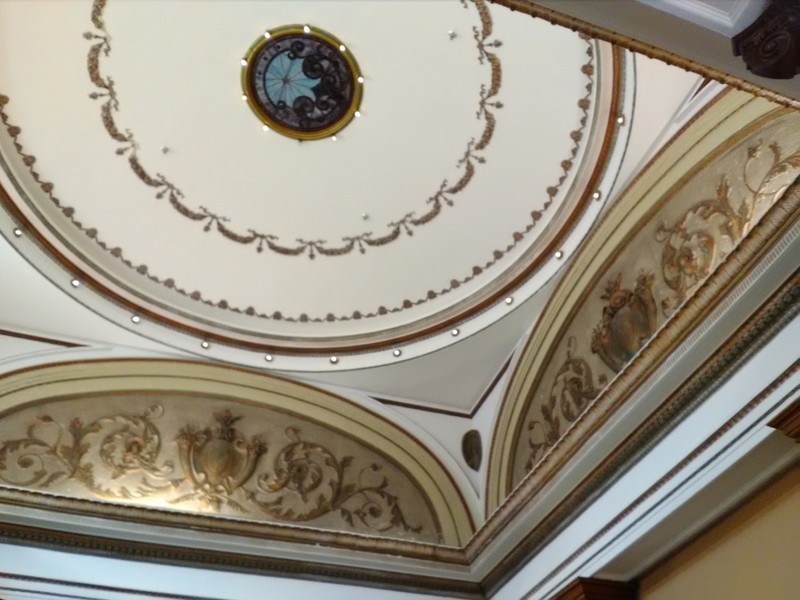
(439, 323)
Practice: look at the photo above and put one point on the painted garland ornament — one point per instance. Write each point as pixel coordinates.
(302, 82)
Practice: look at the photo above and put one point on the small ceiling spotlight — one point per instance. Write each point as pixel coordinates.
(267, 34)
(306, 29)
(76, 283)
(244, 62)
(205, 345)
(334, 360)
(360, 79)
(333, 138)
(596, 195)
(357, 114)
(268, 357)
(265, 127)
(454, 332)
(342, 48)
(136, 319)
(244, 97)
(17, 232)
(509, 300)
(621, 119)
(559, 254)
(397, 352)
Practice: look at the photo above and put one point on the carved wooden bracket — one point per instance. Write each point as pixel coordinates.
(788, 422)
(598, 589)
(771, 45)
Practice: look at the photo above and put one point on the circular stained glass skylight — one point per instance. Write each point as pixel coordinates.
(302, 82)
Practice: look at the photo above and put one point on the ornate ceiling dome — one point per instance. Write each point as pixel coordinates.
(180, 212)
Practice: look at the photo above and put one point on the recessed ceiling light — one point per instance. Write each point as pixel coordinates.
(334, 360)
(397, 352)
(265, 127)
(18, 232)
(596, 195)
(244, 97)
(267, 34)
(76, 283)
(621, 119)
(342, 48)
(509, 300)
(136, 319)
(244, 62)
(306, 29)
(360, 79)
(559, 254)
(333, 138)
(268, 357)
(205, 345)
(454, 332)
(357, 114)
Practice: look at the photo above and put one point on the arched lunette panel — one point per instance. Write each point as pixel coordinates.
(153, 437)
(663, 238)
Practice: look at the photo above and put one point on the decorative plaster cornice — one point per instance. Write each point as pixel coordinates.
(557, 18)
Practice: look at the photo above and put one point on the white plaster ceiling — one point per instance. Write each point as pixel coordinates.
(432, 371)
(465, 103)
(453, 378)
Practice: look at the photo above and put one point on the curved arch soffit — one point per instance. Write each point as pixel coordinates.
(694, 203)
(188, 444)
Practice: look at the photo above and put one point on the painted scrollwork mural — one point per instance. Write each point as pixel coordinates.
(694, 245)
(662, 264)
(573, 388)
(277, 468)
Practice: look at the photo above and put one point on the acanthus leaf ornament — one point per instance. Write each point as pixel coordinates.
(310, 473)
(572, 389)
(710, 229)
(119, 457)
(629, 319)
(52, 452)
(692, 246)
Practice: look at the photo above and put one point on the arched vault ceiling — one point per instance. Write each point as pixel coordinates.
(131, 156)
(672, 229)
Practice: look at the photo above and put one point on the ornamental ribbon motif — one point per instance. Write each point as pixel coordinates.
(118, 458)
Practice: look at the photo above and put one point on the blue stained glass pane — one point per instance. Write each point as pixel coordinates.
(284, 80)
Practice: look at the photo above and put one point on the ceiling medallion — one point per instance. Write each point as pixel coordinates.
(302, 82)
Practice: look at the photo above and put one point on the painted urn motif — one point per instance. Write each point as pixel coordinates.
(629, 319)
(218, 461)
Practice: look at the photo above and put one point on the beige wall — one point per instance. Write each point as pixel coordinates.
(753, 553)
